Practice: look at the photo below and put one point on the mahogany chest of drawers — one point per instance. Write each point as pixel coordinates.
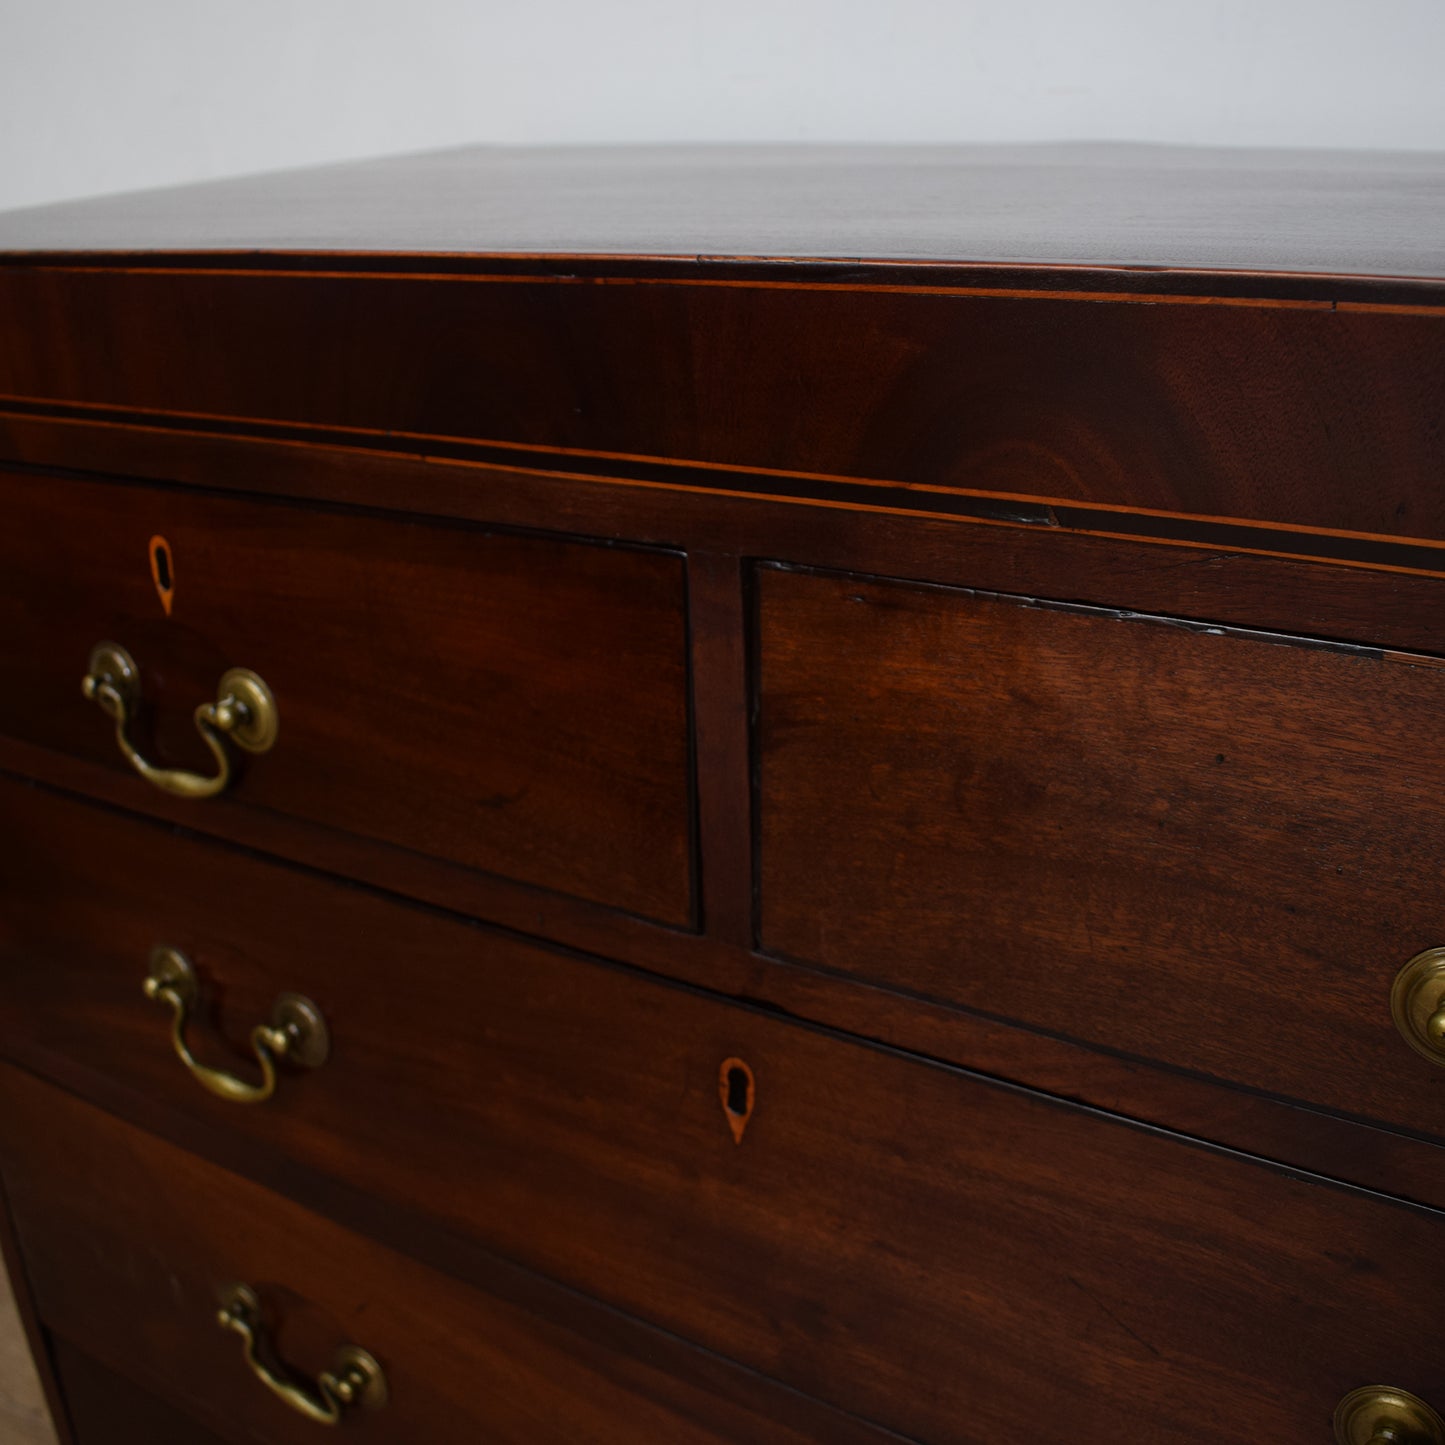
(729, 797)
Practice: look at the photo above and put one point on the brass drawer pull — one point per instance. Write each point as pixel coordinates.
(244, 711)
(1382, 1415)
(297, 1032)
(355, 1379)
(1417, 1003)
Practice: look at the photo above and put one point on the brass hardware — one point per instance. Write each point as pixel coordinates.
(355, 1379)
(296, 1033)
(1417, 1003)
(244, 711)
(1381, 1415)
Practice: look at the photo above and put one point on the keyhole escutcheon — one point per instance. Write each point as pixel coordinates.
(738, 1091)
(163, 571)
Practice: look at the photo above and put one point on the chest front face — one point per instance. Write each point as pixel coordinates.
(626, 847)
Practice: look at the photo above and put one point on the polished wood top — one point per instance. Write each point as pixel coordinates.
(1115, 206)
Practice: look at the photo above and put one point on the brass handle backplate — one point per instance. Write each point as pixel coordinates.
(1417, 1003)
(354, 1380)
(296, 1033)
(1382, 1415)
(244, 712)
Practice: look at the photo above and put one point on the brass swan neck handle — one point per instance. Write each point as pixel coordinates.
(244, 713)
(297, 1032)
(355, 1380)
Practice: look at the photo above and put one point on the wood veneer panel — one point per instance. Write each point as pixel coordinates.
(107, 1409)
(1284, 1131)
(1306, 416)
(1206, 848)
(132, 1273)
(515, 704)
(1124, 205)
(872, 1241)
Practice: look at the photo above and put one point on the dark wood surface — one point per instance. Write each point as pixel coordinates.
(1091, 205)
(874, 1240)
(516, 704)
(532, 499)
(1063, 411)
(169, 1231)
(107, 1409)
(1216, 849)
(1305, 1138)
(1382, 594)
(1179, 1291)
(1355, 603)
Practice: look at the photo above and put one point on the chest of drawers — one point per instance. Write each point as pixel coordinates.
(728, 796)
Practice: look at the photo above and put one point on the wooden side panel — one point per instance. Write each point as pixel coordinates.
(517, 704)
(1309, 415)
(1211, 850)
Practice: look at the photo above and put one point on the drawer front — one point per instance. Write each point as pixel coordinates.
(134, 1273)
(1211, 849)
(921, 1247)
(104, 1408)
(516, 704)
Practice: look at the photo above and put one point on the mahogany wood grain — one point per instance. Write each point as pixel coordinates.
(875, 1238)
(1234, 411)
(1371, 601)
(1208, 1109)
(1216, 849)
(1164, 871)
(107, 1409)
(169, 1231)
(719, 644)
(1149, 211)
(516, 704)
(1345, 602)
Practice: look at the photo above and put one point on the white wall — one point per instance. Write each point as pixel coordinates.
(105, 95)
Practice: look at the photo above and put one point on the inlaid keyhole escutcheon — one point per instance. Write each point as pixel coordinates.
(163, 571)
(738, 1090)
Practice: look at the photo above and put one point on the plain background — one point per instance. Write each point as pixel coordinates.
(108, 95)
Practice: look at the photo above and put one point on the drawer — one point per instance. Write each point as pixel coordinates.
(921, 1247)
(104, 1408)
(1210, 848)
(516, 704)
(133, 1276)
